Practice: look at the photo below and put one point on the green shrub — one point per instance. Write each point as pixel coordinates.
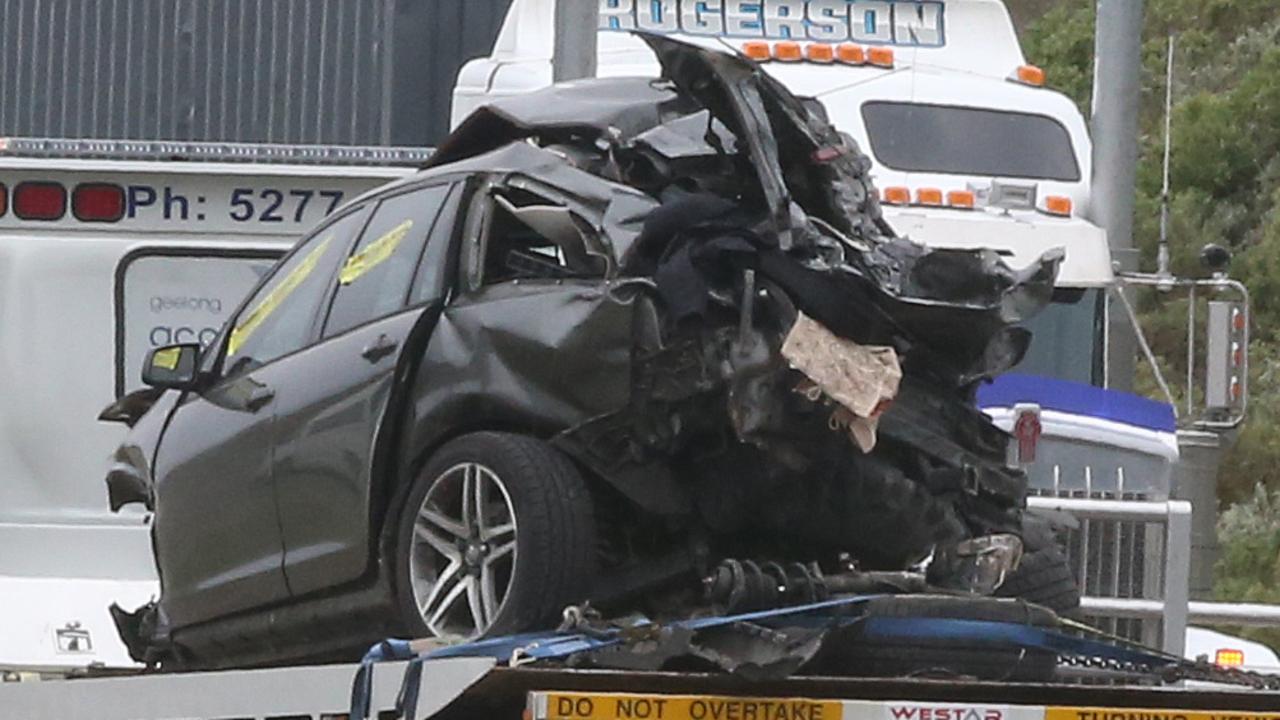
(1249, 570)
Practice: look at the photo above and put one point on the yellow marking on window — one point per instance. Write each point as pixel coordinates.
(374, 254)
(259, 314)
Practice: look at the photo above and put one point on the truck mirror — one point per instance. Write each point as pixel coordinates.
(172, 367)
(1215, 258)
(1226, 357)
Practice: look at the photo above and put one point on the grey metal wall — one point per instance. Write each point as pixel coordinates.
(297, 71)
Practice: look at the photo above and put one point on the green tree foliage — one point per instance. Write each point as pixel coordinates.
(1250, 567)
(1225, 174)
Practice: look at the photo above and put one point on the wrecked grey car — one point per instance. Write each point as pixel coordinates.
(640, 343)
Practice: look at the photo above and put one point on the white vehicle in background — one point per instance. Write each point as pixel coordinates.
(969, 149)
(1231, 652)
(108, 249)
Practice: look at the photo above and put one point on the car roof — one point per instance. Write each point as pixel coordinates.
(618, 209)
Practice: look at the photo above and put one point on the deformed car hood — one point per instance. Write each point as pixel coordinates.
(808, 193)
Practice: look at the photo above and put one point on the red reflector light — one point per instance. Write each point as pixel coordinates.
(39, 201)
(4, 199)
(1027, 430)
(97, 202)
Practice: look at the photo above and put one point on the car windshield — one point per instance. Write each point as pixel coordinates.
(913, 137)
(1066, 341)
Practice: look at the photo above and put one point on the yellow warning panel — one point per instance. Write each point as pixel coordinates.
(1098, 713)
(588, 706)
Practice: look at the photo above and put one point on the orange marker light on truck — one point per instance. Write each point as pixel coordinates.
(962, 199)
(1226, 657)
(1058, 205)
(929, 196)
(788, 51)
(757, 50)
(820, 53)
(851, 54)
(897, 196)
(1029, 75)
(880, 57)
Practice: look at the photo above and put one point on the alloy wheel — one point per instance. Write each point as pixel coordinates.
(463, 553)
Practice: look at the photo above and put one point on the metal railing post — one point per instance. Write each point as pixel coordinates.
(1174, 610)
(1177, 577)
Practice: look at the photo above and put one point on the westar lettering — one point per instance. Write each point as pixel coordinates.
(942, 712)
(897, 22)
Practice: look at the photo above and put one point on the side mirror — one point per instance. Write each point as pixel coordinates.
(172, 367)
(1215, 257)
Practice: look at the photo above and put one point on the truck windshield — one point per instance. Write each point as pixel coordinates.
(913, 137)
(1066, 341)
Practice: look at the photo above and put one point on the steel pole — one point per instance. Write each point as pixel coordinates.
(576, 26)
(1117, 84)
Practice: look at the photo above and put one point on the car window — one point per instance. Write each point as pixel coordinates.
(374, 281)
(531, 237)
(281, 316)
(435, 269)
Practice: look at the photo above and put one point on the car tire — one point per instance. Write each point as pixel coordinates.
(516, 565)
(1044, 575)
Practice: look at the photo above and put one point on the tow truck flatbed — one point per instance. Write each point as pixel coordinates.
(475, 689)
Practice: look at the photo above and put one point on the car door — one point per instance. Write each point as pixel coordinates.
(328, 420)
(217, 531)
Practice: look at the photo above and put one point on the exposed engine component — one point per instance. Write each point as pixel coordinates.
(744, 585)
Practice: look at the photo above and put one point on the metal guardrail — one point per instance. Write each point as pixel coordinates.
(1174, 609)
(1173, 606)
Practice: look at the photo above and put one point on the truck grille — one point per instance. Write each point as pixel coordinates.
(1116, 559)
